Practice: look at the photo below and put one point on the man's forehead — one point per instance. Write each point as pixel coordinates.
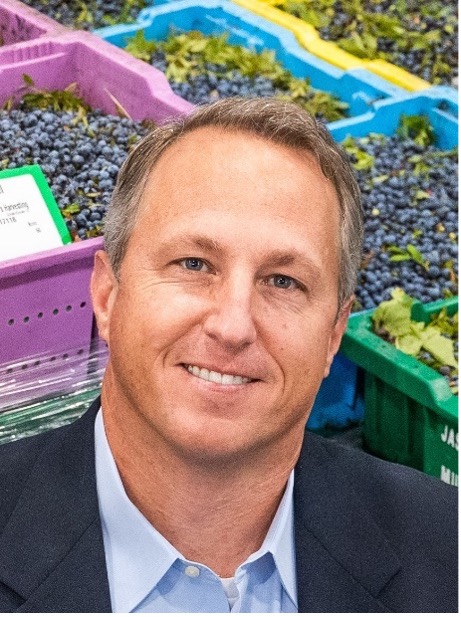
(239, 140)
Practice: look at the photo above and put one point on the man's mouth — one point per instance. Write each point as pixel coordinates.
(220, 378)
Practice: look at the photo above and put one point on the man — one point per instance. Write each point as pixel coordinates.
(232, 240)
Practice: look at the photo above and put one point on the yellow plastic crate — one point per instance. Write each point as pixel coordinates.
(309, 38)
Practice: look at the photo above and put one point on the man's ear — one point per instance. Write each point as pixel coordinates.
(103, 288)
(338, 330)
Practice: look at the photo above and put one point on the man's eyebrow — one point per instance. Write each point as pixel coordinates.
(280, 258)
(195, 241)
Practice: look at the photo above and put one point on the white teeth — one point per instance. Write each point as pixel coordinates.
(204, 374)
(214, 376)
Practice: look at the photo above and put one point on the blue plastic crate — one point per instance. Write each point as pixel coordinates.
(441, 110)
(360, 89)
(340, 399)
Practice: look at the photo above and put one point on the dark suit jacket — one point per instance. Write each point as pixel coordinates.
(370, 536)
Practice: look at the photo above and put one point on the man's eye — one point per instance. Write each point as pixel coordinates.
(193, 263)
(283, 282)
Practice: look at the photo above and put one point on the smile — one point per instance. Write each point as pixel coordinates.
(215, 377)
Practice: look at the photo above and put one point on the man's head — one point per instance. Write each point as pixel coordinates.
(285, 124)
(219, 299)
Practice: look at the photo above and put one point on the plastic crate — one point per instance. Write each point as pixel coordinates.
(101, 71)
(37, 291)
(360, 89)
(339, 402)
(19, 23)
(411, 415)
(437, 104)
(327, 50)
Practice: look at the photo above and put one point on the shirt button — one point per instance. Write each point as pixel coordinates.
(192, 571)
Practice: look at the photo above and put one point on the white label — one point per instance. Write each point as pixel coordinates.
(448, 476)
(26, 225)
(450, 437)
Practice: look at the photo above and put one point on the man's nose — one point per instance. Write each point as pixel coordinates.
(230, 321)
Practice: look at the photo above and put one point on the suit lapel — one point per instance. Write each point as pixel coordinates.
(343, 558)
(52, 554)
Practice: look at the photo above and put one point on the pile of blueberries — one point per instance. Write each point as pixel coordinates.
(79, 159)
(218, 82)
(90, 14)
(215, 83)
(409, 207)
(422, 60)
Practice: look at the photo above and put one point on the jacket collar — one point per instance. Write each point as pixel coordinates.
(52, 555)
(343, 559)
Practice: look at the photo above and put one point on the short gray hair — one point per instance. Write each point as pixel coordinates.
(280, 122)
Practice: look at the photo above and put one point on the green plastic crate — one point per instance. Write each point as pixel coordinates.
(411, 415)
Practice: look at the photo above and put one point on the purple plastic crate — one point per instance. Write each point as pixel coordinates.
(102, 71)
(45, 306)
(19, 23)
(44, 298)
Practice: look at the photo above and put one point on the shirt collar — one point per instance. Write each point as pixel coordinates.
(279, 541)
(130, 540)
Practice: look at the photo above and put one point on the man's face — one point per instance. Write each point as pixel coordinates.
(223, 322)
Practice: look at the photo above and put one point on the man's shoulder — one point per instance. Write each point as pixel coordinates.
(372, 478)
(389, 528)
(45, 454)
(396, 496)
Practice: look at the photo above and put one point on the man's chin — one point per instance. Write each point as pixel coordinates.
(215, 448)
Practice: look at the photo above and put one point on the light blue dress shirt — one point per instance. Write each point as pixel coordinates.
(148, 575)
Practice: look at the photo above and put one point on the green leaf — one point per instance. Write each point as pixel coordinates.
(394, 315)
(380, 179)
(414, 253)
(404, 256)
(392, 321)
(411, 342)
(139, 47)
(417, 128)
(439, 346)
(422, 195)
(69, 210)
(410, 252)
(27, 79)
(355, 46)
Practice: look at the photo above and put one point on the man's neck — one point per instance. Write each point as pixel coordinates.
(217, 516)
